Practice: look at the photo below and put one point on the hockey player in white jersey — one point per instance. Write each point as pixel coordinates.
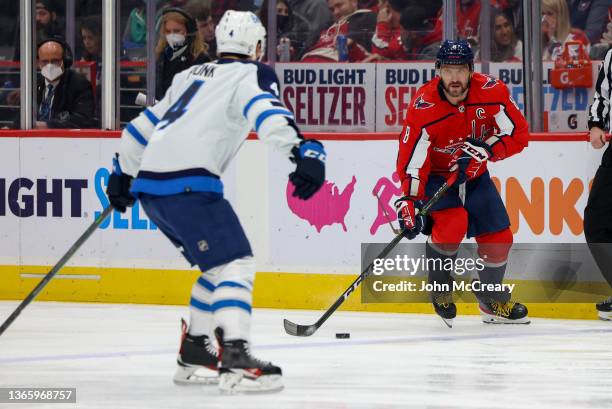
(171, 157)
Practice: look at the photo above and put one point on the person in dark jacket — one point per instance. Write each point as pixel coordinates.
(65, 98)
(590, 16)
(206, 24)
(180, 46)
(289, 25)
(48, 24)
(598, 211)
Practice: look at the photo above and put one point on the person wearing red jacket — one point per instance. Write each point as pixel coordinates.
(357, 25)
(457, 113)
(387, 39)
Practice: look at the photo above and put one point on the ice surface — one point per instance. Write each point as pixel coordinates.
(123, 356)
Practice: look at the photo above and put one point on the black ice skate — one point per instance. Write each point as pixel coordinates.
(197, 360)
(604, 309)
(240, 372)
(496, 312)
(444, 307)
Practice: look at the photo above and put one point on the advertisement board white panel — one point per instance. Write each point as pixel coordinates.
(545, 189)
(329, 97)
(52, 188)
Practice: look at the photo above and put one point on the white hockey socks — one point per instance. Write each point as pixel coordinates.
(200, 309)
(223, 297)
(232, 298)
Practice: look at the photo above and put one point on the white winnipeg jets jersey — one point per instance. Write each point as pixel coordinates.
(185, 141)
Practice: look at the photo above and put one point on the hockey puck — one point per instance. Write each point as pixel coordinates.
(343, 335)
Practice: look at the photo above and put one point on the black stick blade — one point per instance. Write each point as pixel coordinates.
(299, 330)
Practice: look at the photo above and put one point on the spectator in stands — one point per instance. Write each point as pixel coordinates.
(421, 35)
(357, 25)
(468, 19)
(505, 45)
(556, 30)
(387, 40)
(206, 24)
(514, 11)
(599, 50)
(589, 16)
(47, 24)
(289, 26)
(135, 33)
(179, 47)
(91, 35)
(318, 15)
(65, 97)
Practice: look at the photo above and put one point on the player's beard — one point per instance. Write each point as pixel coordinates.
(455, 89)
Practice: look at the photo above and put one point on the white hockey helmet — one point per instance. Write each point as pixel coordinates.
(239, 32)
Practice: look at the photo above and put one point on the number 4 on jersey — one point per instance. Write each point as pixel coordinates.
(180, 106)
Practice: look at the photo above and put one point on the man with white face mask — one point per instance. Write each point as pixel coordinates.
(65, 98)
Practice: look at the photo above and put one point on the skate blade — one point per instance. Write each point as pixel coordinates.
(500, 320)
(604, 316)
(186, 375)
(447, 321)
(236, 383)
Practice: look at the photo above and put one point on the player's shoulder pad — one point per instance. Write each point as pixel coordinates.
(266, 77)
(425, 99)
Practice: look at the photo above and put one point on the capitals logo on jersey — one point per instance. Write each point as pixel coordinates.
(420, 103)
(491, 82)
(451, 148)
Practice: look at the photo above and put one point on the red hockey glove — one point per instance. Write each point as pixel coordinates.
(469, 158)
(411, 223)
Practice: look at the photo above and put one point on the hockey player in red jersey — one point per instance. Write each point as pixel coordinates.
(456, 123)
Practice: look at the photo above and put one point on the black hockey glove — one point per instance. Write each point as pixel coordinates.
(309, 176)
(118, 189)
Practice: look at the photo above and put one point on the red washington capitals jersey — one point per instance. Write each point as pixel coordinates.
(434, 129)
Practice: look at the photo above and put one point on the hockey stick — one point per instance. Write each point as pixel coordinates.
(307, 330)
(56, 268)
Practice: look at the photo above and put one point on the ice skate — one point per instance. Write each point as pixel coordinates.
(197, 360)
(496, 312)
(444, 307)
(240, 372)
(604, 310)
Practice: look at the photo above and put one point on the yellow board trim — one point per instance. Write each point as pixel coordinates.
(272, 290)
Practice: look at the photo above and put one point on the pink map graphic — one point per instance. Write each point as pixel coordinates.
(325, 207)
